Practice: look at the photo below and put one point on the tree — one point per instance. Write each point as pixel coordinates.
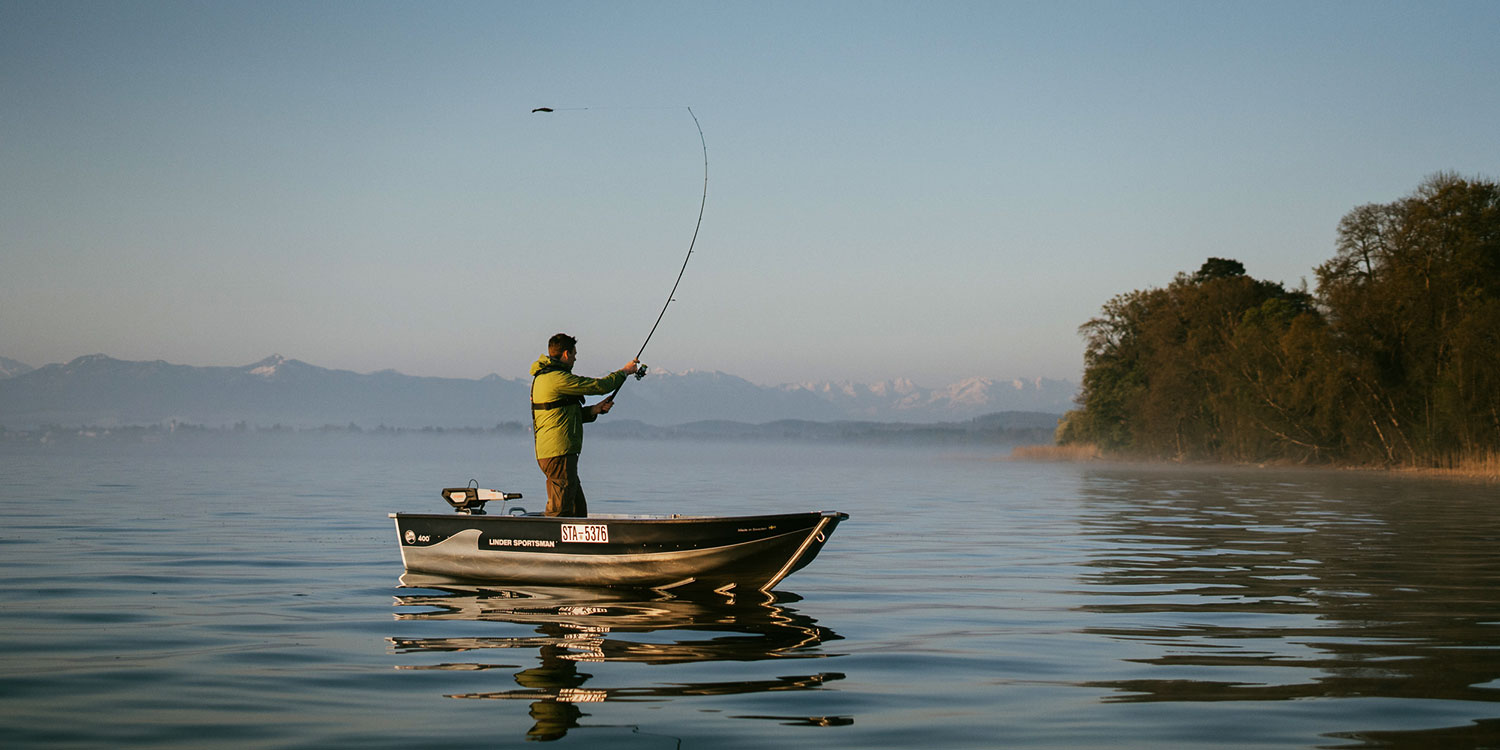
(1411, 296)
(1165, 369)
(1219, 268)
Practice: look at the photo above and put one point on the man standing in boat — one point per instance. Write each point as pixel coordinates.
(557, 417)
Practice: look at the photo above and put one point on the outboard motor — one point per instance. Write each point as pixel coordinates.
(470, 500)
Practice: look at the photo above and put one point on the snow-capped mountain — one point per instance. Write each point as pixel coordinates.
(10, 368)
(902, 400)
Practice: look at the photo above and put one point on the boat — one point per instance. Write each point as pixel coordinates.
(664, 552)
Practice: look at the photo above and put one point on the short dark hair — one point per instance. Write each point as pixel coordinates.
(559, 343)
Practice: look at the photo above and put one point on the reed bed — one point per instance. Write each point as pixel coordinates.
(1474, 465)
(1070, 452)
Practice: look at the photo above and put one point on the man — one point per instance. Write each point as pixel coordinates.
(557, 417)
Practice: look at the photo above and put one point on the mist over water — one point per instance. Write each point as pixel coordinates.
(251, 591)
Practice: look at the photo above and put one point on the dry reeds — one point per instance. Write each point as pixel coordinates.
(1474, 465)
(1070, 452)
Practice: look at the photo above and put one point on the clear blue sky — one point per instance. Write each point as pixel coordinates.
(930, 190)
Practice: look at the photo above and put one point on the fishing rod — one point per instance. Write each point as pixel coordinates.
(641, 371)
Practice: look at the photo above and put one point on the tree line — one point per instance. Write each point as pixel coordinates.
(1394, 359)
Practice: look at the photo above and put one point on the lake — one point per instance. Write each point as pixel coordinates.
(247, 591)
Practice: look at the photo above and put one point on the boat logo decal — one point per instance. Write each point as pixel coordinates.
(411, 537)
(596, 533)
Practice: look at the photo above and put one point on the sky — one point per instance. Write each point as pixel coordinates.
(932, 191)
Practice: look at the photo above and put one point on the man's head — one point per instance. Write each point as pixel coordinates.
(560, 344)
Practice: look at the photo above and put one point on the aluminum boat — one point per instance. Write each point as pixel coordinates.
(666, 552)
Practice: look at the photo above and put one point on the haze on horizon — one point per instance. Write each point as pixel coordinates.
(930, 191)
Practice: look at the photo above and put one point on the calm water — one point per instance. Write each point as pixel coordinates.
(250, 594)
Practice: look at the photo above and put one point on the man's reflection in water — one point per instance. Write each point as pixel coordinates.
(572, 626)
(557, 676)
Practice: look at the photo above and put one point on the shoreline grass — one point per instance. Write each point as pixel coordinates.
(1477, 465)
(1069, 452)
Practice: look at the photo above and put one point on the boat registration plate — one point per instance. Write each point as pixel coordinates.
(597, 533)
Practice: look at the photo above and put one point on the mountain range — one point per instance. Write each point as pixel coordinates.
(98, 390)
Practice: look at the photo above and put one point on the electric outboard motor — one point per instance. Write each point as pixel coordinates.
(471, 500)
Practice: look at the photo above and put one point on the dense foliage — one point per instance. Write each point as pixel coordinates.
(1394, 360)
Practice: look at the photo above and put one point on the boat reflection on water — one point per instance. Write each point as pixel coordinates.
(570, 626)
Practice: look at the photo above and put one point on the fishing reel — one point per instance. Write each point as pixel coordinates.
(640, 371)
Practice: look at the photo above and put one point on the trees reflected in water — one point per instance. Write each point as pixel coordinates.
(1233, 588)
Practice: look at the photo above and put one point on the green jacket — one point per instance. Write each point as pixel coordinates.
(559, 430)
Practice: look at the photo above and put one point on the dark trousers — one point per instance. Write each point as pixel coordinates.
(564, 491)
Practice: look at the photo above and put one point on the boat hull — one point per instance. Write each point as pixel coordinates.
(662, 552)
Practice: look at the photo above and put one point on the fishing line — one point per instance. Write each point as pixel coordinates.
(702, 204)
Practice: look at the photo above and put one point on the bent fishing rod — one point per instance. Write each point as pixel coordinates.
(671, 296)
